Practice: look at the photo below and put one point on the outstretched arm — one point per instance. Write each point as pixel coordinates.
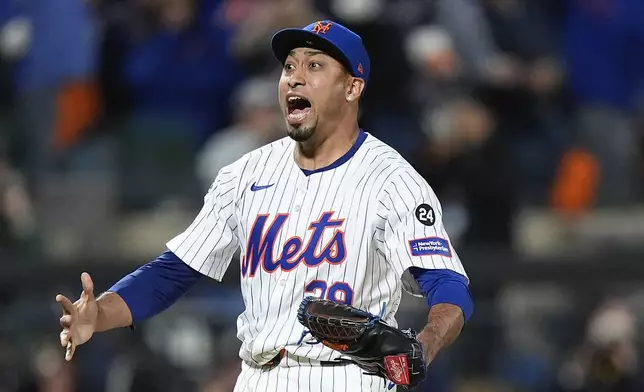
(157, 285)
(144, 293)
(113, 312)
(149, 290)
(138, 296)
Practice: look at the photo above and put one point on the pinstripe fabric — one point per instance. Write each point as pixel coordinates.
(367, 210)
(305, 377)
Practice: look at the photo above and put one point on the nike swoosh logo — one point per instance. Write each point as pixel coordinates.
(256, 187)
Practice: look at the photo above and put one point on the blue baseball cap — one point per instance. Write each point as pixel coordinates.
(331, 38)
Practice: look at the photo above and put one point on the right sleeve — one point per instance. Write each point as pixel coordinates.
(155, 286)
(210, 242)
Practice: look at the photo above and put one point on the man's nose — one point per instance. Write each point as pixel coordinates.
(296, 79)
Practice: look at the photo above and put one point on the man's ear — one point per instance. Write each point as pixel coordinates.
(355, 89)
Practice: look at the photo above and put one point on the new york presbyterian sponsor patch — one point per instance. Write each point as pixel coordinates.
(430, 246)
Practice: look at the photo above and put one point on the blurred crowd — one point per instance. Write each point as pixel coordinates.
(501, 104)
(116, 115)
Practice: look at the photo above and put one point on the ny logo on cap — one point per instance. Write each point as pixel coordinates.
(360, 69)
(321, 27)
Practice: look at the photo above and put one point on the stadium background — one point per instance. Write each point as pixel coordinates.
(524, 115)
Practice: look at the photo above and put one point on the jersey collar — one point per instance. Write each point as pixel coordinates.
(362, 136)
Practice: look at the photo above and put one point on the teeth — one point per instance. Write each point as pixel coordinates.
(293, 99)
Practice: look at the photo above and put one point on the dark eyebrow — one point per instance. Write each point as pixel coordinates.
(309, 52)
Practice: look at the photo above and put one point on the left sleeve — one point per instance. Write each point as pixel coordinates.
(444, 287)
(411, 232)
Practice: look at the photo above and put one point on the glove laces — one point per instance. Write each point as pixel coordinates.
(306, 332)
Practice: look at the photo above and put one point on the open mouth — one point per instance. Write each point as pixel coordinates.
(298, 108)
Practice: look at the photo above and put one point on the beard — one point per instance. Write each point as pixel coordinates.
(301, 133)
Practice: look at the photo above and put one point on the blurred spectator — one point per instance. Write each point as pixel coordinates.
(120, 27)
(16, 214)
(181, 75)
(608, 359)
(467, 166)
(467, 27)
(257, 121)
(183, 71)
(257, 20)
(538, 319)
(525, 98)
(488, 82)
(602, 43)
(53, 44)
(388, 107)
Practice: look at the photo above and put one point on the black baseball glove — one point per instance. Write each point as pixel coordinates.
(366, 340)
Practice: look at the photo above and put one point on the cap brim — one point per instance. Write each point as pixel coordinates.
(284, 41)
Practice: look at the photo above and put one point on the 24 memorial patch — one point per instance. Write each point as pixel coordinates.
(425, 214)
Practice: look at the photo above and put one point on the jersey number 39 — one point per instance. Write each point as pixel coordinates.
(338, 292)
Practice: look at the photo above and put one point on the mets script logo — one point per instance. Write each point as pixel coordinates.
(261, 244)
(322, 27)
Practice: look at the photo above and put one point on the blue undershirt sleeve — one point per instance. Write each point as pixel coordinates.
(444, 286)
(155, 286)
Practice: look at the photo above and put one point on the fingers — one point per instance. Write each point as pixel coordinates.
(67, 342)
(88, 286)
(69, 312)
(69, 351)
(66, 321)
(65, 337)
(68, 306)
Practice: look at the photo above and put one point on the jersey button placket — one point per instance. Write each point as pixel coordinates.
(299, 197)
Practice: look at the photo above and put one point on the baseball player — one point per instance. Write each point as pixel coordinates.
(329, 211)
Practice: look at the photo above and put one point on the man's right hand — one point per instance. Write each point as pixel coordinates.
(79, 318)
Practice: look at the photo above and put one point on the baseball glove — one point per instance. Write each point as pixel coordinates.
(366, 340)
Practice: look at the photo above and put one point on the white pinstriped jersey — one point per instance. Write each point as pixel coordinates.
(347, 232)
